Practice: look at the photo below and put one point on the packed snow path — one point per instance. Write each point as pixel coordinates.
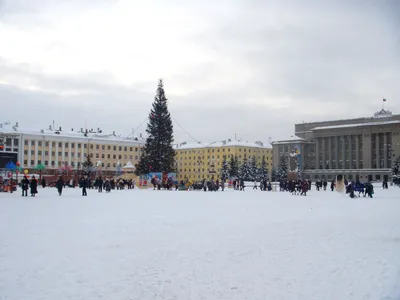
(228, 245)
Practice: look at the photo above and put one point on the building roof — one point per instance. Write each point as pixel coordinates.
(291, 139)
(227, 143)
(356, 125)
(7, 128)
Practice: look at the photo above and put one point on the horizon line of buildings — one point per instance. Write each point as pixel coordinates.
(360, 148)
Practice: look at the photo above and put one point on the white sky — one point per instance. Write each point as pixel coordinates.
(248, 67)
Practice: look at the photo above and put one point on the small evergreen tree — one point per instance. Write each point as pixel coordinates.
(224, 170)
(158, 153)
(396, 167)
(87, 166)
(233, 166)
(273, 174)
(263, 171)
(254, 169)
(282, 169)
(245, 172)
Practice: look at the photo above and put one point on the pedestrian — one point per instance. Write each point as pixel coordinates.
(43, 183)
(84, 185)
(255, 185)
(33, 186)
(100, 184)
(25, 186)
(60, 185)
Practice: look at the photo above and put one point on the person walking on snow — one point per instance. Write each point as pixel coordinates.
(33, 186)
(255, 185)
(84, 184)
(60, 185)
(25, 186)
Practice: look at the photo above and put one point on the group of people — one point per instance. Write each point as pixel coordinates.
(27, 184)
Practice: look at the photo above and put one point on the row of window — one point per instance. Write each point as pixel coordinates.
(66, 154)
(213, 157)
(79, 145)
(223, 150)
(59, 164)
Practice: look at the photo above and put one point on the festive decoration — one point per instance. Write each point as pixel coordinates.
(25, 171)
(40, 168)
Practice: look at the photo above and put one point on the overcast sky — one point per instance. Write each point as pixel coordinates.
(250, 67)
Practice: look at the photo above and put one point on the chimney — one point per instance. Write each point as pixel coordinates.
(16, 124)
(140, 135)
(59, 129)
(113, 133)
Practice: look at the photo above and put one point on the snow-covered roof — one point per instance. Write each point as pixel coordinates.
(7, 128)
(357, 125)
(227, 143)
(129, 165)
(291, 139)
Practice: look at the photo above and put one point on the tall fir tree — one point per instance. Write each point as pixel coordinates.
(263, 171)
(282, 169)
(224, 172)
(233, 166)
(245, 172)
(158, 153)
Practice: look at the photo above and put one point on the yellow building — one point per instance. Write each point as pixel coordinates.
(198, 161)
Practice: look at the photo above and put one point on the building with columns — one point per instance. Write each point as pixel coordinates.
(362, 148)
(55, 148)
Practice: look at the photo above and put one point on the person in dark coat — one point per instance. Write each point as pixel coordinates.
(25, 186)
(43, 183)
(84, 185)
(60, 185)
(33, 186)
(100, 184)
(332, 185)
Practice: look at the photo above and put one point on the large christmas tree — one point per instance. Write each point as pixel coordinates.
(245, 171)
(158, 153)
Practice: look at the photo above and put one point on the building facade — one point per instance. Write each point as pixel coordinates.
(362, 148)
(55, 148)
(198, 161)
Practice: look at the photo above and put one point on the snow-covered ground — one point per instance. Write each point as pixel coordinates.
(199, 245)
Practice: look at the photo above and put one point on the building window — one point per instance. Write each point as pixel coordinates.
(108, 165)
(102, 156)
(33, 143)
(114, 165)
(97, 147)
(108, 156)
(32, 162)
(26, 152)
(46, 162)
(91, 154)
(39, 152)
(84, 146)
(97, 155)
(32, 152)
(79, 155)
(26, 142)
(15, 142)
(109, 147)
(53, 153)
(66, 154)
(125, 148)
(72, 164)
(25, 162)
(114, 156)
(79, 146)
(115, 148)
(135, 149)
(59, 153)
(91, 146)
(73, 145)
(103, 147)
(131, 149)
(130, 156)
(120, 156)
(136, 157)
(120, 148)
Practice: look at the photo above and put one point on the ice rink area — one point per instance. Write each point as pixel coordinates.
(144, 244)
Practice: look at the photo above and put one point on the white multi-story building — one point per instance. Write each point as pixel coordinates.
(55, 148)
